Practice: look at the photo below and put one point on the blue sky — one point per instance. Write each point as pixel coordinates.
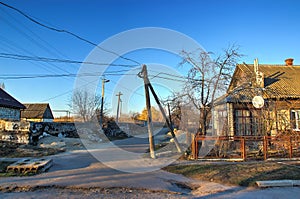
(264, 29)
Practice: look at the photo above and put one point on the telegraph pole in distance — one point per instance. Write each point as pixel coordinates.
(118, 107)
(144, 74)
(102, 101)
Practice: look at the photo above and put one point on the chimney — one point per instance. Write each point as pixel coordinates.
(289, 61)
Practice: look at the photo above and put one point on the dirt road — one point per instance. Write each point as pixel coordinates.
(78, 174)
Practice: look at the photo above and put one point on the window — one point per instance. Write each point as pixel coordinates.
(249, 122)
(295, 119)
(243, 122)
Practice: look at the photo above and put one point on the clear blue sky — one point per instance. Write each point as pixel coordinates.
(264, 29)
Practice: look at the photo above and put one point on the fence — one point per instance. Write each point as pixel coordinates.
(247, 147)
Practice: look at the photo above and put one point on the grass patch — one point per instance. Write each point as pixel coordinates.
(3, 166)
(243, 174)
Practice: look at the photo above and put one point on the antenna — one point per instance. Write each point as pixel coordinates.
(259, 76)
(256, 65)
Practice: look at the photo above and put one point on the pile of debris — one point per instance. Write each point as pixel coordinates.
(113, 131)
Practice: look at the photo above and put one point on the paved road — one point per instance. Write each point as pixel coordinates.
(80, 169)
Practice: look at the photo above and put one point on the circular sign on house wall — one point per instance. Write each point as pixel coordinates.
(258, 102)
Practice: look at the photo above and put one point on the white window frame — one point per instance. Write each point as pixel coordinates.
(296, 120)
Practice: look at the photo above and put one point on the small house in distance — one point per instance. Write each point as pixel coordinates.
(9, 107)
(37, 112)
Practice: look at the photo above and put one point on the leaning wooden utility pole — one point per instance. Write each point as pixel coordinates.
(144, 74)
(166, 119)
(118, 107)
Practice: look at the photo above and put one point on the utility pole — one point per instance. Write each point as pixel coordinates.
(166, 119)
(121, 106)
(118, 107)
(102, 101)
(170, 116)
(144, 74)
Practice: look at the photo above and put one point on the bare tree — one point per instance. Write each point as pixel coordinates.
(85, 105)
(207, 78)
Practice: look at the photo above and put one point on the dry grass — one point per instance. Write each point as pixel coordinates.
(15, 150)
(243, 174)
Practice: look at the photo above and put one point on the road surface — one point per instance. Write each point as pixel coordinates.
(79, 174)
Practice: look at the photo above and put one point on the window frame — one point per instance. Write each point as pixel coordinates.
(295, 121)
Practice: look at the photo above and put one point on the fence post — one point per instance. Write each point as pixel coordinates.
(194, 147)
(243, 149)
(291, 147)
(265, 143)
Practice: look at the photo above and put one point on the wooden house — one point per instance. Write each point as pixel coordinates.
(37, 112)
(262, 99)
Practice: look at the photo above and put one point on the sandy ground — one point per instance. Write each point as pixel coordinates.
(69, 144)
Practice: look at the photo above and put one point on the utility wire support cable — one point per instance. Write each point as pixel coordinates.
(67, 32)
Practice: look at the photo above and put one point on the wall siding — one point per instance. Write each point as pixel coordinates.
(9, 114)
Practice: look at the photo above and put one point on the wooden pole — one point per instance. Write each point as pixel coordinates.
(165, 117)
(118, 107)
(144, 74)
(102, 102)
(291, 146)
(170, 116)
(243, 149)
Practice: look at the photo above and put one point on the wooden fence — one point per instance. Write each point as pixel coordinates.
(247, 147)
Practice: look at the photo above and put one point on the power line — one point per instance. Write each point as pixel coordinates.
(33, 76)
(67, 32)
(166, 78)
(34, 39)
(135, 92)
(16, 48)
(171, 75)
(48, 60)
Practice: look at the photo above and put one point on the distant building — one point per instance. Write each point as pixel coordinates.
(37, 112)
(10, 108)
(261, 99)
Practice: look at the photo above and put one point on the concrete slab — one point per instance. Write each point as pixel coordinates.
(26, 165)
(278, 183)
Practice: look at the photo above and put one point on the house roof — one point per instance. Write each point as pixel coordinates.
(37, 110)
(280, 81)
(6, 100)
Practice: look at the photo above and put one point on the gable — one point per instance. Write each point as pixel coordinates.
(8, 101)
(37, 111)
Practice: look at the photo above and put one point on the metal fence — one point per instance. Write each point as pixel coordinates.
(247, 147)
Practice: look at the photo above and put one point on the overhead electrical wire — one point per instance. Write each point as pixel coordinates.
(33, 76)
(67, 32)
(15, 48)
(32, 40)
(35, 40)
(46, 59)
(69, 61)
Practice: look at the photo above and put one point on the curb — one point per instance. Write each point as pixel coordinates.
(278, 183)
